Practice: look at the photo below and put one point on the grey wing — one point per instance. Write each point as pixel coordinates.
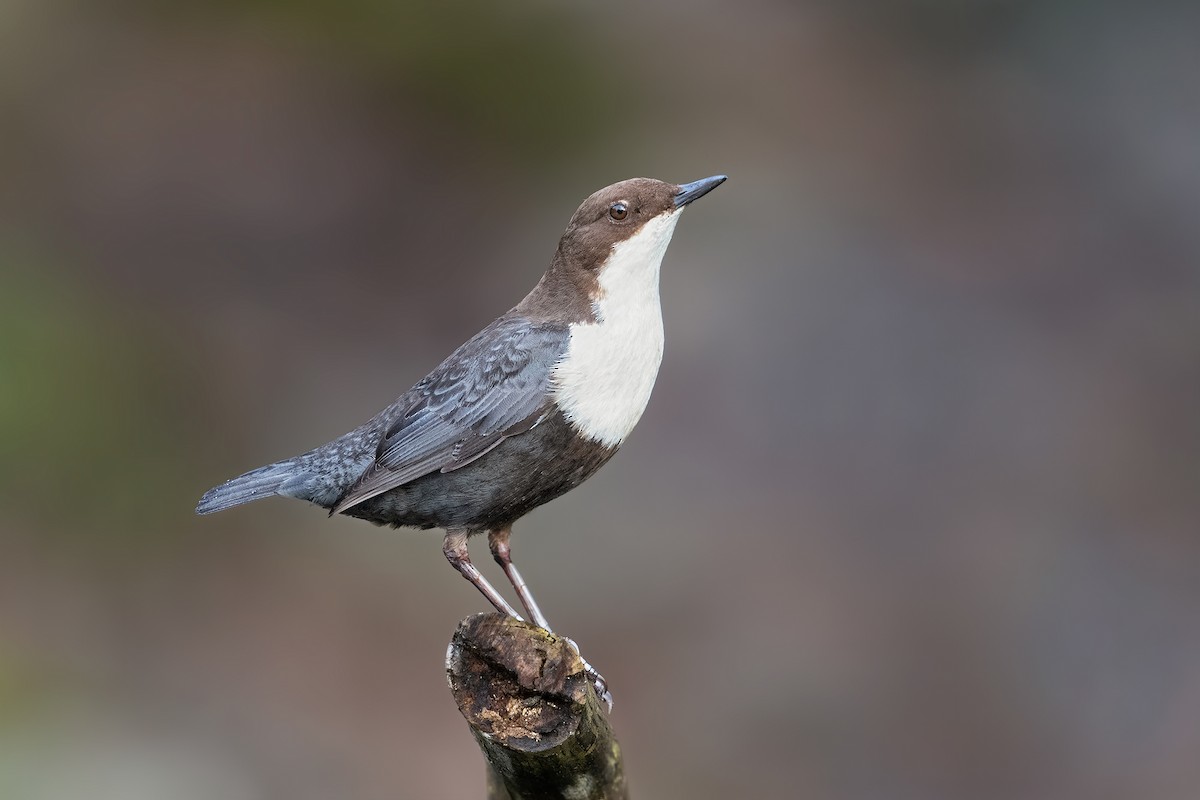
(495, 386)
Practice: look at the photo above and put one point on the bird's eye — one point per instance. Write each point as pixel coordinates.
(618, 211)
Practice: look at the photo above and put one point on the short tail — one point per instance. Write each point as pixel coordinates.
(254, 485)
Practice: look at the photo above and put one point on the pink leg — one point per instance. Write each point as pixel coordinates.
(455, 548)
(498, 542)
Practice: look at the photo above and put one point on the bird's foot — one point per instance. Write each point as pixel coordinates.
(597, 679)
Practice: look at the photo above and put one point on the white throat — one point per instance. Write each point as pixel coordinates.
(603, 382)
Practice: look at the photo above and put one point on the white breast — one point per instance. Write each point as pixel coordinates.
(603, 382)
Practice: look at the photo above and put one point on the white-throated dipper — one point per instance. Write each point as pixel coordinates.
(525, 411)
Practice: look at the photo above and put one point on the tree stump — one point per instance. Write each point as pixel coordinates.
(533, 711)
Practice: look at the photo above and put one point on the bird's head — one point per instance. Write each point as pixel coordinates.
(640, 213)
(614, 244)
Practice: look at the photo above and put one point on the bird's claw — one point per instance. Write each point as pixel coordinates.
(601, 689)
(600, 684)
(598, 681)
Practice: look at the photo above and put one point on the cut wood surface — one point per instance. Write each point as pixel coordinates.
(534, 712)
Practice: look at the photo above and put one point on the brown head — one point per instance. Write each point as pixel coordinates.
(612, 216)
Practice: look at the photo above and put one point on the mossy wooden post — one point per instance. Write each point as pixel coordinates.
(533, 711)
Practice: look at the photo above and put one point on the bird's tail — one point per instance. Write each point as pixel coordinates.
(254, 485)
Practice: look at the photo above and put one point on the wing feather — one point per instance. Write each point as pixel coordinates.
(495, 386)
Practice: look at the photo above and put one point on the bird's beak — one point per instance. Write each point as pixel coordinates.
(697, 189)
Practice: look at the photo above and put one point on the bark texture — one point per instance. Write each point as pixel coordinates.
(534, 713)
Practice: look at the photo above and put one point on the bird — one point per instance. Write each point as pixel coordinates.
(521, 413)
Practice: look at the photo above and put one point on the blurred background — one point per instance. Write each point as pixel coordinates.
(914, 511)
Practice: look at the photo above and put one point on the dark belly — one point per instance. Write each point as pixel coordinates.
(522, 473)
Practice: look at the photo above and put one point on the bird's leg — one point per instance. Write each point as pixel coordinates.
(502, 552)
(455, 548)
(498, 542)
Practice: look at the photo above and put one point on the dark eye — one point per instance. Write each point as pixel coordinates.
(618, 211)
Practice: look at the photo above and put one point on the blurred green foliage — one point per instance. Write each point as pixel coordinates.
(25, 687)
(528, 79)
(85, 444)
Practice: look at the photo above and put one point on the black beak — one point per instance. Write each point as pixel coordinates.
(697, 189)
